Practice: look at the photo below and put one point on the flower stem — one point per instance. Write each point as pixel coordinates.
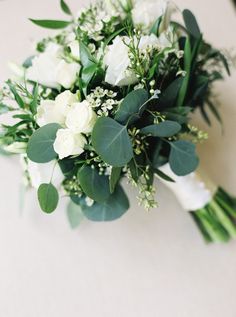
(217, 219)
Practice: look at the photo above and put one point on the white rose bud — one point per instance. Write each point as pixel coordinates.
(117, 61)
(147, 12)
(74, 49)
(81, 118)
(66, 73)
(68, 143)
(64, 101)
(16, 148)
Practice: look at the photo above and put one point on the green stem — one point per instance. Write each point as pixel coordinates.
(224, 219)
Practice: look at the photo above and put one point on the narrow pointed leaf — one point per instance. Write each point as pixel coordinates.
(51, 24)
(65, 7)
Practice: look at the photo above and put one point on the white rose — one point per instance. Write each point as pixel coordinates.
(16, 148)
(66, 73)
(50, 111)
(46, 113)
(147, 12)
(68, 143)
(117, 61)
(41, 173)
(48, 69)
(81, 118)
(44, 66)
(74, 49)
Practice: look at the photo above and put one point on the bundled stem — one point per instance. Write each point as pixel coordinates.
(217, 220)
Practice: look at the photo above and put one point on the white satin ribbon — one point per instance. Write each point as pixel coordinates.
(193, 191)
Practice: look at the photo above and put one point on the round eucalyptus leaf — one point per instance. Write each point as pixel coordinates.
(115, 206)
(94, 185)
(74, 215)
(48, 197)
(112, 142)
(40, 147)
(183, 159)
(131, 107)
(163, 129)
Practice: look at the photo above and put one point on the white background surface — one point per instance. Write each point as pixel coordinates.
(144, 265)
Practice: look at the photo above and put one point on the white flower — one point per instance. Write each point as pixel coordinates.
(164, 40)
(16, 148)
(50, 70)
(64, 101)
(148, 41)
(117, 61)
(47, 113)
(147, 12)
(43, 69)
(81, 118)
(66, 73)
(68, 143)
(74, 49)
(41, 173)
(50, 111)
(116, 7)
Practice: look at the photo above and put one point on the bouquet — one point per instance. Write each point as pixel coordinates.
(110, 97)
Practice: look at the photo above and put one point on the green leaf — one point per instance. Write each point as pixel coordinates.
(114, 178)
(74, 214)
(85, 55)
(163, 175)
(87, 75)
(156, 25)
(134, 170)
(178, 114)
(132, 106)
(28, 62)
(51, 24)
(187, 68)
(89, 66)
(34, 102)
(112, 209)
(157, 158)
(65, 7)
(40, 147)
(205, 115)
(191, 23)
(17, 97)
(112, 142)
(113, 35)
(163, 129)
(94, 185)
(214, 111)
(183, 159)
(170, 94)
(48, 197)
